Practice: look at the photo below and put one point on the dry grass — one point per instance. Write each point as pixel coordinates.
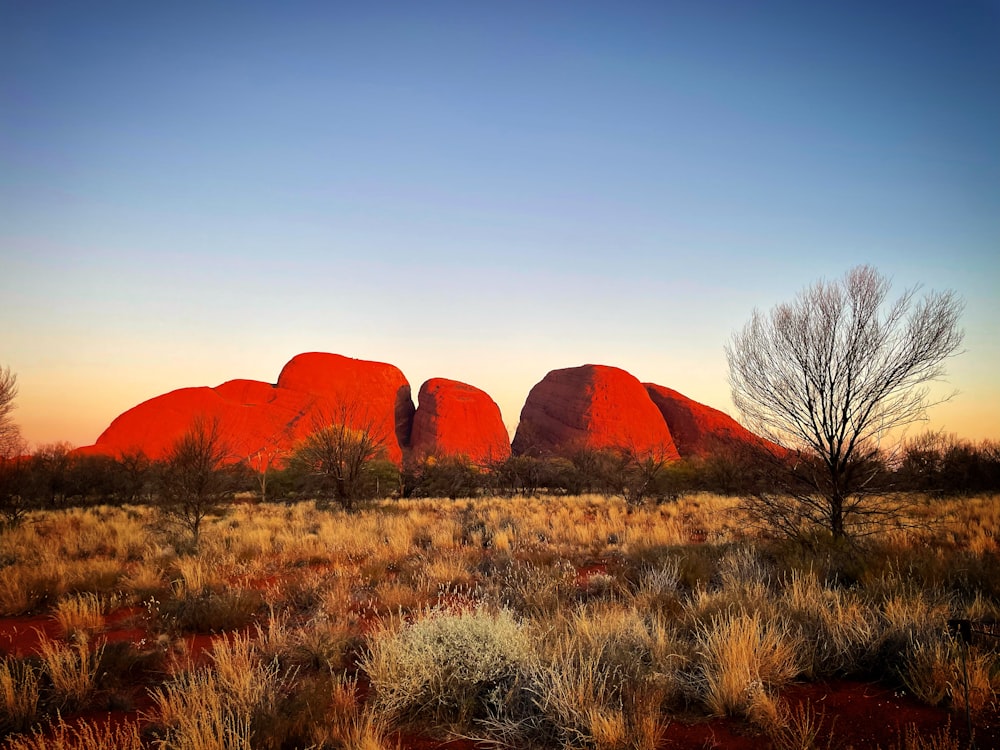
(943, 739)
(71, 669)
(80, 616)
(945, 672)
(235, 702)
(29, 585)
(81, 736)
(194, 709)
(802, 728)
(349, 724)
(19, 694)
(836, 629)
(412, 594)
(745, 660)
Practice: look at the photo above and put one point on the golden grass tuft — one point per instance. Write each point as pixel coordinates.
(80, 615)
(19, 694)
(743, 659)
(72, 670)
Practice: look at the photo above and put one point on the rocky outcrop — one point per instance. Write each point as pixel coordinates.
(592, 407)
(699, 430)
(457, 419)
(313, 389)
(250, 414)
(361, 393)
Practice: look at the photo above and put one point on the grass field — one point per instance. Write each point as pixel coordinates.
(569, 622)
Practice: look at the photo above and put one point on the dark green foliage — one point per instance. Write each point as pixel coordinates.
(947, 465)
(14, 489)
(452, 477)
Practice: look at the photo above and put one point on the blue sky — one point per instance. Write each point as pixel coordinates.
(194, 192)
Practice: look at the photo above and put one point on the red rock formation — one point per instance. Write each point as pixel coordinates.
(312, 389)
(591, 407)
(700, 430)
(371, 395)
(456, 419)
(251, 415)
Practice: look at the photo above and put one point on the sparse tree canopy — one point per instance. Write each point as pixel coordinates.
(194, 483)
(339, 451)
(829, 375)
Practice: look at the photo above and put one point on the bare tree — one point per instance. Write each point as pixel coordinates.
(344, 441)
(13, 462)
(10, 434)
(267, 457)
(827, 376)
(194, 483)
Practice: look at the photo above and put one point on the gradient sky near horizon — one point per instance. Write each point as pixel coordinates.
(195, 192)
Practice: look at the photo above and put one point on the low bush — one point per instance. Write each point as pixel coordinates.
(446, 668)
(211, 612)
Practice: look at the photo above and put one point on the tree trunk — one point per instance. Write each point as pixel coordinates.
(837, 516)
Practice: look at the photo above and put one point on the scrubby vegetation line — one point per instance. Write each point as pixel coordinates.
(574, 621)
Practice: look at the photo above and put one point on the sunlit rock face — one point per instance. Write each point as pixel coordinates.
(698, 430)
(367, 394)
(592, 407)
(457, 419)
(248, 412)
(313, 389)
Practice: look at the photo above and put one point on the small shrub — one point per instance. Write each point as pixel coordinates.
(801, 728)
(443, 667)
(211, 612)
